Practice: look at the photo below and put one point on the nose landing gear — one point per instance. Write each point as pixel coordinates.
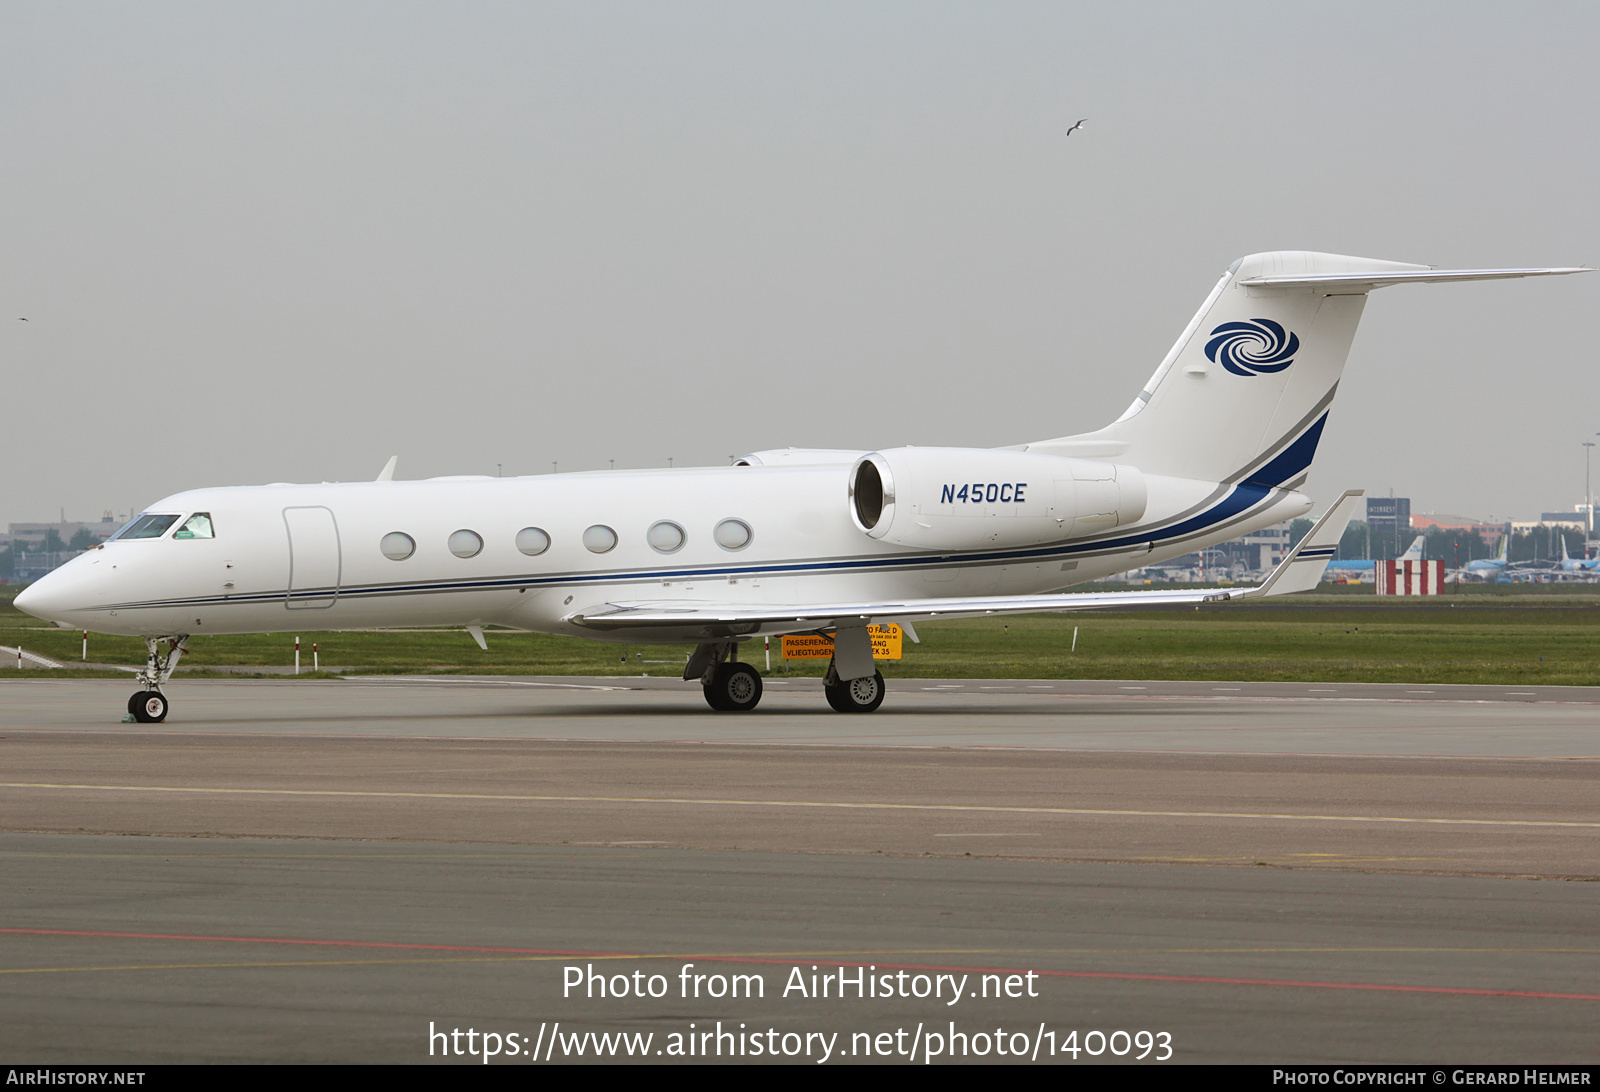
(149, 706)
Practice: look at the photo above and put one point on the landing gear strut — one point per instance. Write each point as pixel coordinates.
(149, 706)
(730, 686)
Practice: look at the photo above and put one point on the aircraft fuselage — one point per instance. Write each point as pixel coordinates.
(302, 557)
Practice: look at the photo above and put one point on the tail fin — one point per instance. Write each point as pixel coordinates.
(1414, 551)
(1244, 394)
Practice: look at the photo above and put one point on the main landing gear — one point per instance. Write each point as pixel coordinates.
(730, 686)
(853, 683)
(733, 687)
(855, 696)
(149, 706)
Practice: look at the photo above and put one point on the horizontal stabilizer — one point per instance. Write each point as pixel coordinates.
(1302, 568)
(1365, 282)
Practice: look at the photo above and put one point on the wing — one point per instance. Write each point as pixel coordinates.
(1300, 570)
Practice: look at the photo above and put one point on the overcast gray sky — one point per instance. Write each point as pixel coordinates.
(281, 242)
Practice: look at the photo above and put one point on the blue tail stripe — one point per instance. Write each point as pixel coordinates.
(1293, 460)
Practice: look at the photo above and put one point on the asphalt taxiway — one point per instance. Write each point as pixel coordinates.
(1267, 872)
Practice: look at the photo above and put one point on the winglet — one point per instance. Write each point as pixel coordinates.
(387, 473)
(1302, 568)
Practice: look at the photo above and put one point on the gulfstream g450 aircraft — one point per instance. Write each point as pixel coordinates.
(785, 541)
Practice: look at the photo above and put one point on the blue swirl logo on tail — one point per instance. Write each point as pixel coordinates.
(1252, 348)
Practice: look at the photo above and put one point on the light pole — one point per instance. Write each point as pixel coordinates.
(1588, 496)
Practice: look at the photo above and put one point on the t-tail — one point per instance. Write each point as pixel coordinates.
(1243, 395)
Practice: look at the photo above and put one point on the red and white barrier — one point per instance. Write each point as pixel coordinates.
(1410, 577)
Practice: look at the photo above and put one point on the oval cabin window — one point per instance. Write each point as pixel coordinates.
(397, 546)
(599, 539)
(533, 541)
(665, 537)
(733, 534)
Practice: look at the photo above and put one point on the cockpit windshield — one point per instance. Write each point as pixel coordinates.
(146, 526)
(196, 526)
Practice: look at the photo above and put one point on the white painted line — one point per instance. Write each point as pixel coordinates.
(1419, 691)
(1234, 688)
(986, 835)
(843, 805)
(1133, 688)
(42, 661)
(1321, 691)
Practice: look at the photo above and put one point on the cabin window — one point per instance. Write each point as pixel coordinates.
(533, 541)
(733, 534)
(147, 526)
(599, 539)
(665, 537)
(397, 545)
(465, 543)
(196, 526)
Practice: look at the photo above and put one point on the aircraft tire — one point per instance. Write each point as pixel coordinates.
(734, 688)
(135, 701)
(149, 707)
(712, 700)
(858, 695)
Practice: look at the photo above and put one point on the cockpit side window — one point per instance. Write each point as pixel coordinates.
(146, 526)
(196, 526)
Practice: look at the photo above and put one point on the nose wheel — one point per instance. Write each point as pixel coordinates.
(148, 707)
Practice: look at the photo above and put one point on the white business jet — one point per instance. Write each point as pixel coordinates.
(1217, 444)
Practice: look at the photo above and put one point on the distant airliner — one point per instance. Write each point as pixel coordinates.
(1216, 445)
(1493, 569)
(1364, 564)
(1576, 564)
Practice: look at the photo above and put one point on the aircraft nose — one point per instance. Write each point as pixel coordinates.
(45, 598)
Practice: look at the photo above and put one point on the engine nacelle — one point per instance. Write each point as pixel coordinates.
(952, 498)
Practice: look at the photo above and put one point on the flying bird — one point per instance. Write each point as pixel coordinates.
(1076, 127)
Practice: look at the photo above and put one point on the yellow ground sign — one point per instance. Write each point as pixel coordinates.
(886, 644)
